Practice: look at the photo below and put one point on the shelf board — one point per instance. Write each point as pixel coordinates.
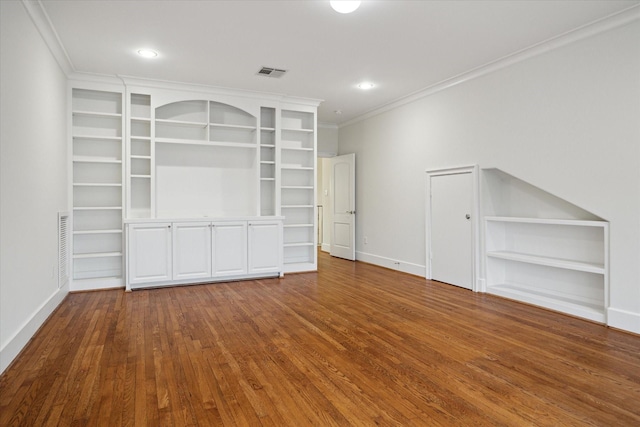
(94, 184)
(98, 137)
(588, 309)
(268, 145)
(89, 159)
(97, 255)
(183, 123)
(141, 138)
(267, 162)
(298, 225)
(297, 206)
(297, 148)
(141, 176)
(268, 129)
(297, 130)
(546, 221)
(548, 261)
(86, 232)
(96, 114)
(96, 208)
(267, 179)
(141, 157)
(297, 187)
(293, 245)
(297, 168)
(141, 119)
(204, 142)
(226, 126)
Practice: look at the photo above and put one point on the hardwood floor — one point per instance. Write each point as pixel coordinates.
(351, 345)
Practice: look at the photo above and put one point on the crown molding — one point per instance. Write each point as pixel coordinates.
(41, 20)
(607, 23)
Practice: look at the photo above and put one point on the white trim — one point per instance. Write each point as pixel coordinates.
(623, 319)
(476, 284)
(393, 264)
(588, 30)
(43, 24)
(21, 338)
(325, 247)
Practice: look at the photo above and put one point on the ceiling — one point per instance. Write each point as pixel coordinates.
(400, 46)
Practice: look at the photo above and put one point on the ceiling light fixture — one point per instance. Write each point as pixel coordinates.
(147, 53)
(344, 6)
(365, 85)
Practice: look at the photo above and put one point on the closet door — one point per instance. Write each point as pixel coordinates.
(451, 231)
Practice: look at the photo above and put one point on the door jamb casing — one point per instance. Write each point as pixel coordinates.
(475, 217)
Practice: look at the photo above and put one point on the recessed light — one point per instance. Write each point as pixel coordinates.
(147, 53)
(366, 85)
(344, 6)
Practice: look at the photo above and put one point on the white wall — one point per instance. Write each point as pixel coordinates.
(327, 140)
(33, 177)
(566, 121)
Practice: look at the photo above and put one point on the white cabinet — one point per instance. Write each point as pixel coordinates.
(229, 240)
(145, 152)
(188, 251)
(558, 264)
(191, 250)
(265, 246)
(149, 253)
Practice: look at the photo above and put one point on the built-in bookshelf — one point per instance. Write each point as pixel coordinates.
(297, 187)
(560, 264)
(97, 181)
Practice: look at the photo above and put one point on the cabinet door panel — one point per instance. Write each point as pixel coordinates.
(191, 250)
(229, 243)
(265, 247)
(149, 253)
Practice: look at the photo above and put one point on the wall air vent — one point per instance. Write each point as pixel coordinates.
(271, 72)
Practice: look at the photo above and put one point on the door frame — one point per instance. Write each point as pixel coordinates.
(475, 219)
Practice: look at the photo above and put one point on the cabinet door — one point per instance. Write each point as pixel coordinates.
(149, 253)
(229, 246)
(191, 250)
(265, 247)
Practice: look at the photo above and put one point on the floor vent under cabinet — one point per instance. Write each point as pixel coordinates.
(63, 249)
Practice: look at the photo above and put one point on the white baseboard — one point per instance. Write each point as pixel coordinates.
(394, 264)
(80, 285)
(481, 285)
(622, 319)
(325, 247)
(16, 343)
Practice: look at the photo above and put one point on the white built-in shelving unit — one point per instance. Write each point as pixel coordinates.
(560, 264)
(149, 157)
(297, 187)
(97, 125)
(267, 161)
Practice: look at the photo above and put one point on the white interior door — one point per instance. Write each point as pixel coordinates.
(343, 196)
(451, 229)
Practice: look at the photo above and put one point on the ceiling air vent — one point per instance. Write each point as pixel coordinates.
(271, 72)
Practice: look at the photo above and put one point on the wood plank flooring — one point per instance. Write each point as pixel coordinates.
(353, 344)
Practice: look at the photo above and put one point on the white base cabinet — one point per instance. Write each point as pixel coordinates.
(183, 251)
(149, 253)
